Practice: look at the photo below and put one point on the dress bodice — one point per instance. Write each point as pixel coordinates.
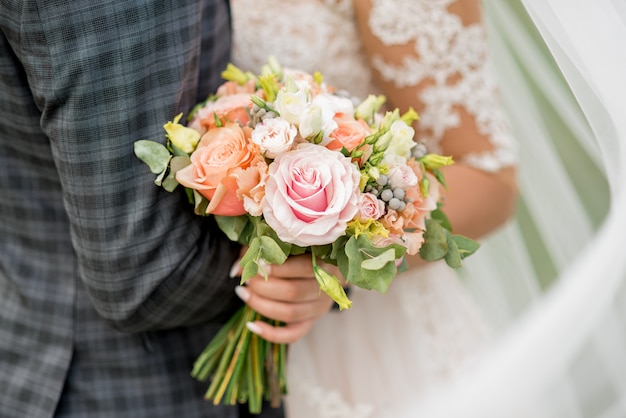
(446, 65)
(318, 35)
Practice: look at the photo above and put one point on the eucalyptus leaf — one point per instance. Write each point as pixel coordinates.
(250, 269)
(254, 251)
(435, 244)
(154, 154)
(176, 164)
(442, 218)
(359, 250)
(235, 227)
(250, 260)
(170, 183)
(466, 245)
(453, 258)
(201, 203)
(271, 251)
(338, 247)
(440, 177)
(379, 261)
(159, 180)
(263, 229)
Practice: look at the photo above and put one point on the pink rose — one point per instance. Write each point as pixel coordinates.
(370, 207)
(212, 171)
(310, 195)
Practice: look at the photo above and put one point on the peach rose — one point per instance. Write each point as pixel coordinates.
(349, 133)
(251, 185)
(219, 154)
(230, 88)
(231, 108)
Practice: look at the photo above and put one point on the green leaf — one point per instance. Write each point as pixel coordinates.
(435, 244)
(154, 154)
(250, 260)
(379, 262)
(338, 247)
(465, 245)
(271, 251)
(453, 258)
(176, 164)
(200, 203)
(263, 229)
(440, 177)
(359, 250)
(442, 218)
(159, 180)
(235, 227)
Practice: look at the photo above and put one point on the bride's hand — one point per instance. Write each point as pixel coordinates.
(290, 295)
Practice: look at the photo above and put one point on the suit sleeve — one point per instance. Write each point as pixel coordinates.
(104, 75)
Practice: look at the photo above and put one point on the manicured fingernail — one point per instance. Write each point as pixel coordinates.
(235, 270)
(253, 328)
(243, 293)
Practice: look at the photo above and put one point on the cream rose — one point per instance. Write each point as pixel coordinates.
(274, 136)
(310, 195)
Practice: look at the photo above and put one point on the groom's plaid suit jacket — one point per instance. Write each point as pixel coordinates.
(109, 287)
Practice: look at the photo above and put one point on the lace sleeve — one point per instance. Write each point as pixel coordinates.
(432, 55)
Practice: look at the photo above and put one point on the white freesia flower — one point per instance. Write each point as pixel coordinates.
(274, 136)
(331, 105)
(402, 141)
(293, 101)
(311, 122)
(334, 103)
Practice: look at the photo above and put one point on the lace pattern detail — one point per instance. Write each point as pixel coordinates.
(455, 58)
(322, 35)
(327, 403)
(313, 35)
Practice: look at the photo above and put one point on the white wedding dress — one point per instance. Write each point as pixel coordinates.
(388, 350)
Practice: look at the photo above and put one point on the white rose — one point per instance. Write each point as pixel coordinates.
(274, 136)
(402, 176)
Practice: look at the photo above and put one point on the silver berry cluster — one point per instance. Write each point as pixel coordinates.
(258, 114)
(419, 150)
(393, 197)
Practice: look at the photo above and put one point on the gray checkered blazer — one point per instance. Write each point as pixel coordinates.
(109, 286)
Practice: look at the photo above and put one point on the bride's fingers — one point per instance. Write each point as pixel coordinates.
(286, 290)
(287, 312)
(286, 334)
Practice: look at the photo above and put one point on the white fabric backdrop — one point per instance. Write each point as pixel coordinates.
(565, 355)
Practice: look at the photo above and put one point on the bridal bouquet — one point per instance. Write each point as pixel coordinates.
(288, 166)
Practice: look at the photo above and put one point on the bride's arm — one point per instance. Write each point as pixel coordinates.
(436, 62)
